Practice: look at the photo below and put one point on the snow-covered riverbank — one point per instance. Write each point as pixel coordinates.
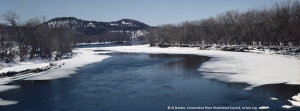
(63, 69)
(251, 68)
(293, 52)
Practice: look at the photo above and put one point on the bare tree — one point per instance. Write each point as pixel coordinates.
(7, 53)
(11, 17)
(16, 31)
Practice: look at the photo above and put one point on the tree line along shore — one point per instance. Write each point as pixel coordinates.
(278, 25)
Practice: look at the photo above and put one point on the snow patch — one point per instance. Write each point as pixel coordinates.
(4, 88)
(296, 101)
(113, 24)
(126, 23)
(286, 106)
(254, 69)
(296, 97)
(7, 102)
(86, 56)
(23, 66)
(90, 25)
(273, 98)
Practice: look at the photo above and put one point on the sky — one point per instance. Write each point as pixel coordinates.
(151, 12)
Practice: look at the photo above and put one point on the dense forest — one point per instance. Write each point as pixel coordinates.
(278, 25)
(33, 39)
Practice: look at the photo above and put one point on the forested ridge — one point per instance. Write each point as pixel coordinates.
(278, 25)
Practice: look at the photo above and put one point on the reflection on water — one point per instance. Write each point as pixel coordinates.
(189, 62)
(142, 82)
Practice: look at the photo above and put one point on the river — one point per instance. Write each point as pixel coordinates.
(142, 82)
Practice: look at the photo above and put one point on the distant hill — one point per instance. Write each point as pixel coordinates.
(133, 27)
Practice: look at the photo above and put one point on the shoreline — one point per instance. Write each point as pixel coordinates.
(49, 70)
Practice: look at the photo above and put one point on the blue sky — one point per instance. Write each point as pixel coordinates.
(152, 12)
